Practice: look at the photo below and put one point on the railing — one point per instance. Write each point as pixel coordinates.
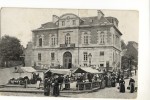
(88, 85)
(67, 45)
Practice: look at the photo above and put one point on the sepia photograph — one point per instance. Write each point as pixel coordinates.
(71, 53)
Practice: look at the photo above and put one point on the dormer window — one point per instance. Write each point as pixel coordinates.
(91, 20)
(56, 23)
(74, 22)
(68, 18)
(63, 23)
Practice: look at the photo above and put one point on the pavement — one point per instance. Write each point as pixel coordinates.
(35, 90)
(5, 75)
(113, 92)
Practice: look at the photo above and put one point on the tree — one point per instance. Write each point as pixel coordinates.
(123, 45)
(130, 55)
(124, 62)
(10, 49)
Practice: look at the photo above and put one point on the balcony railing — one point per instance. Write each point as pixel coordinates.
(72, 45)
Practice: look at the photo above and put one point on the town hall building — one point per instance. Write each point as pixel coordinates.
(73, 41)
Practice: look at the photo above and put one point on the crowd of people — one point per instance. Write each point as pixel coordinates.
(53, 84)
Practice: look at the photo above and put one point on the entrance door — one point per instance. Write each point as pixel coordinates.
(67, 60)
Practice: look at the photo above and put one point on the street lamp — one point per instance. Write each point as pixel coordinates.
(130, 67)
(90, 56)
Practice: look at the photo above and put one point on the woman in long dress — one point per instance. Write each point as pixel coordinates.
(38, 82)
(131, 84)
(109, 81)
(46, 86)
(113, 81)
(56, 88)
(122, 85)
(67, 83)
(102, 83)
(106, 80)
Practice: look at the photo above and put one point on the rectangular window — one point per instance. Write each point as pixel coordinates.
(85, 39)
(67, 39)
(85, 64)
(63, 23)
(52, 64)
(101, 55)
(102, 38)
(101, 65)
(52, 56)
(39, 56)
(40, 42)
(74, 22)
(53, 40)
(85, 56)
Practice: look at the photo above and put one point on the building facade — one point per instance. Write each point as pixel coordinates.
(28, 54)
(72, 41)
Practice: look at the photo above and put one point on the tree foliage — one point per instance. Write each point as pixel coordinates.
(123, 45)
(10, 48)
(128, 59)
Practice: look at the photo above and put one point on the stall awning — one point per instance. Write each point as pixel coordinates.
(86, 70)
(25, 70)
(60, 71)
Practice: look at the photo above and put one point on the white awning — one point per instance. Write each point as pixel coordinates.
(25, 70)
(86, 70)
(60, 71)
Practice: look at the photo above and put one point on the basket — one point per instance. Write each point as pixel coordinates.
(118, 87)
(128, 88)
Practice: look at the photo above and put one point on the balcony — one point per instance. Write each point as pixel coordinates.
(72, 45)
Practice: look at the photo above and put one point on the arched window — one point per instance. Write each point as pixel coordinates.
(68, 39)
(102, 38)
(40, 41)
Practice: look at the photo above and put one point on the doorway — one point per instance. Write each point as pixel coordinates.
(67, 60)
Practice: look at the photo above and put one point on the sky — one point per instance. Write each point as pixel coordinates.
(20, 22)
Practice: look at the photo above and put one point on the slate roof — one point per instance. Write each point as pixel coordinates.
(49, 25)
(93, 20)
(85, 21)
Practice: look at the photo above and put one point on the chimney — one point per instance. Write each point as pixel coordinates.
(55, 18)
(99, 14)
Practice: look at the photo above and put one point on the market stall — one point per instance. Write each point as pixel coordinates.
(86, 70)
(89, 74)
(59, 71)
(20, 74)
(24, 71)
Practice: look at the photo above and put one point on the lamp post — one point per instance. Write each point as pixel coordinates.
(90, 56)
(107, 66)
(130, 67)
